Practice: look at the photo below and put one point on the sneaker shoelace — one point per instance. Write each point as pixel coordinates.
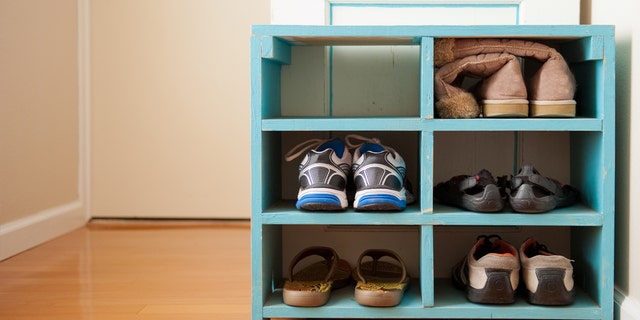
(537, 249)
(352, 141)
(303, 147)
(355, 141)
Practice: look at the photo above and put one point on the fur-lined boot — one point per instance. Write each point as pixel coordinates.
(551, 88)
(501, 92)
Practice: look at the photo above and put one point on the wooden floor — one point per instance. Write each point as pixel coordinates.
(142, 270)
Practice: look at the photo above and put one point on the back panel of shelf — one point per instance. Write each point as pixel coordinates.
(335, 82)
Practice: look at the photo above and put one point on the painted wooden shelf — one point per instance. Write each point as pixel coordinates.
(450, 303)
(284, 213)
(406, 124)
(304, 53)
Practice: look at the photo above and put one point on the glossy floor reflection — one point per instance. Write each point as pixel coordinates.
(133, 270)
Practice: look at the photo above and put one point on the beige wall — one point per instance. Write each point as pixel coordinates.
(170, 97)
(122, 108)
(38, 107)
(40, 173)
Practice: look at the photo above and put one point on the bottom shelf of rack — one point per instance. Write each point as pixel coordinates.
(342, 304)
(450, 303)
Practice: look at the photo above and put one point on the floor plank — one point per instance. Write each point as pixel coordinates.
(133, 270)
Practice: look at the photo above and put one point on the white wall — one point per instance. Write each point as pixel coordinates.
(624, 15)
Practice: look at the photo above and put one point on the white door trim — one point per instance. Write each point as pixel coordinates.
(318, 12)
(84, 105)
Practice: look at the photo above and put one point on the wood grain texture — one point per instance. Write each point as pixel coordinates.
(140, 270)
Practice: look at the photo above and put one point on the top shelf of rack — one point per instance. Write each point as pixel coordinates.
(411, 35)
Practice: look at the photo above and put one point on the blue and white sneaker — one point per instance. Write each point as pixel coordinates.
(323, 174)
(379, 174)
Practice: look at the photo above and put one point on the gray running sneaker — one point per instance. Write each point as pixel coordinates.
(548, 277)
(490, 273)
(379, 175)
(323, 174)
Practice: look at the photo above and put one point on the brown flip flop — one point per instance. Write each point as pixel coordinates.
(380, 283)
(312, 285)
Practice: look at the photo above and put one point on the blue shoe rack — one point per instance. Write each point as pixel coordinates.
(590, 52)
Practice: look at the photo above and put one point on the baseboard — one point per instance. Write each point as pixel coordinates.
(626, 308)
(28, 232)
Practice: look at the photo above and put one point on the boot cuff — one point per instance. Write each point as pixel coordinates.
(443, 51)
(461, 105)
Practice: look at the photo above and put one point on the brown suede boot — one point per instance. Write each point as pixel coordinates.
(502, 92)
(551, 88)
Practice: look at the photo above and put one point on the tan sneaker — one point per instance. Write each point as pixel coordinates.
(490, 273)
(548, 277)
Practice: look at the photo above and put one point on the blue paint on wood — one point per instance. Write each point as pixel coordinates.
(590, 51)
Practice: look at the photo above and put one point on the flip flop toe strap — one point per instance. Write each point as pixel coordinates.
(330, 255)
(376, 254)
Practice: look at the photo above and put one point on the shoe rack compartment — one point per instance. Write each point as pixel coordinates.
(341, 238)
(280, 209)
(316, 82)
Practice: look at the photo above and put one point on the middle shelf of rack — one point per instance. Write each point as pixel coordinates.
(417, 123)
(284, 213)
